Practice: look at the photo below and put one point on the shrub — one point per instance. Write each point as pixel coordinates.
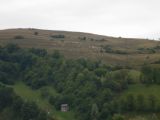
(108, 49)
(18, 37)
(36, 33)
(82, 38)
(58, 36)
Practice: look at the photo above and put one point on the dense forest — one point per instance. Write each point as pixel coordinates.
(89, 87)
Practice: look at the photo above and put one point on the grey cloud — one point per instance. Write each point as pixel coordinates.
(128, 18)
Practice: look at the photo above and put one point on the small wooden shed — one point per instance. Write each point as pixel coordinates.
(64, 107)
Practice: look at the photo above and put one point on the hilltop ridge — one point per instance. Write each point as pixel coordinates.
(78, 44)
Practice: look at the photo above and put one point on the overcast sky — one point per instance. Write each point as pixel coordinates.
(126, 18)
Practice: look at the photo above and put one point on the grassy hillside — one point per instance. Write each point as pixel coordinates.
(75, 45)
(35, 95)
(144, 90)
(141, 89)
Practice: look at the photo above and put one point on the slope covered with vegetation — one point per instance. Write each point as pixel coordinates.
(74, 45)
(93, 90)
